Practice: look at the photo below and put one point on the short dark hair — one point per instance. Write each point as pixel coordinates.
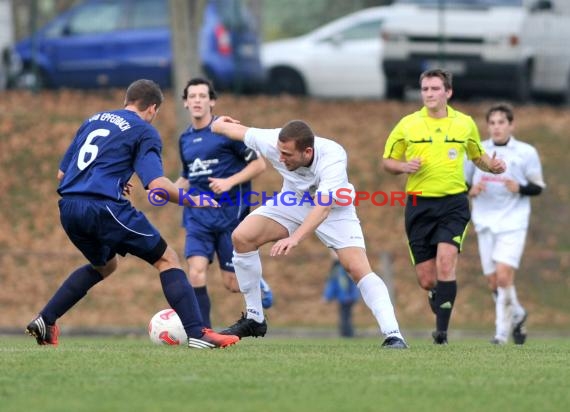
(195, 82)
(505, 108)
(143, 93)
(299, 132)
(445, 76)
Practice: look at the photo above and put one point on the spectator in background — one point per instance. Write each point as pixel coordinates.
(212, 163)
(430, 146)
(501, 212)
(341, 287)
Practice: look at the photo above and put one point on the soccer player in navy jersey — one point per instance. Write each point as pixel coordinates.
(214, 164)
(94, 173)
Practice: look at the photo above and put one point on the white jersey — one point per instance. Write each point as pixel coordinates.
(325, 176)
(496, 208)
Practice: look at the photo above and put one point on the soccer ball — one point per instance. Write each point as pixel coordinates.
(165, 328)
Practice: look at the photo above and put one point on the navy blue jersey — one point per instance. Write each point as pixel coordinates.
(206, 154)
(107, 149)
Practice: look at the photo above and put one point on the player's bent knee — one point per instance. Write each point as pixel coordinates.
(196, 278)
(108, 269)
(426, 283)
(241, 241)
(168, 260)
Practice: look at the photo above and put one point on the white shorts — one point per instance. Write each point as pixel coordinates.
(339, 230)
(504, 248)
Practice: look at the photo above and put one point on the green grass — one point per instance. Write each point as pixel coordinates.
(301, 374)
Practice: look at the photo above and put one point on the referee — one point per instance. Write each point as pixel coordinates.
(430, 147)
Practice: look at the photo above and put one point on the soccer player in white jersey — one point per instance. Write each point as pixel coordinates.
(314, 174)
(500, 213)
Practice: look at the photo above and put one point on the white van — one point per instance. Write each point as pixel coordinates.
(514, 48)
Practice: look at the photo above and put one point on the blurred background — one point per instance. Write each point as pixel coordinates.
(349, 68)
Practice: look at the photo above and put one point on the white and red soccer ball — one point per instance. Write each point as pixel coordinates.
(165, 328)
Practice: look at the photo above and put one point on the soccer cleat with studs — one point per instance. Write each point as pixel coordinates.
(439, 337)
(394, 342)
(245, 327)
(212, 340)
(519, 330)
(44, 334)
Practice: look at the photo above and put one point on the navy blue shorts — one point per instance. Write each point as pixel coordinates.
(435, 220)
(209, 231)
(100, 229)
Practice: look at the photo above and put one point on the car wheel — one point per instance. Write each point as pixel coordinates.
(285, 80)
(30, 79)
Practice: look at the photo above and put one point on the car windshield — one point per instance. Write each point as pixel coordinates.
(234, 14)
(147, 14)
(363, 31)
(469, 3)
(94, 18)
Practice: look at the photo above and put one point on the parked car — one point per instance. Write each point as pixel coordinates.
(110, 43)
(339, 59)
(513, 48)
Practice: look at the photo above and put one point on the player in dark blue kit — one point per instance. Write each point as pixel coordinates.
(214, 164)
(94, 174)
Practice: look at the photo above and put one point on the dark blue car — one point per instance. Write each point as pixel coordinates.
(110, 43)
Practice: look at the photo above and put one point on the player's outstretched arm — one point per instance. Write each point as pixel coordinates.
(229, 127)
(164, 188)
(315, 217)
(253, 169)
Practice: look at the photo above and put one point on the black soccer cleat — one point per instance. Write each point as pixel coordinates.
(394, 342)
(44, 334)
(246, 327)
(439, 337)
(519, 330)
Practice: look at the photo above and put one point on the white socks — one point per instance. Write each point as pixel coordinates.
(248, 273)
(511, 292)
(502, 315)
(507, 307)
(373, 290)
(376, 297)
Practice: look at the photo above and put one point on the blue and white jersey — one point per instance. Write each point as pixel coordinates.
(206, 154)
(107, 149)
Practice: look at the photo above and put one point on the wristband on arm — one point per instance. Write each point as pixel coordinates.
(530, 189)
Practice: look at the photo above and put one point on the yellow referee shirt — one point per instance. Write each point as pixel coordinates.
(441, 144)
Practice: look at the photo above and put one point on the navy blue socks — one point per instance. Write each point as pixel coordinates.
(182, 299)
(204, 304)
(70, 292)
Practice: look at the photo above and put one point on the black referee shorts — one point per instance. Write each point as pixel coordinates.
(434, 220)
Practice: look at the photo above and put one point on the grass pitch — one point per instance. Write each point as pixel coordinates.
(279, 374)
